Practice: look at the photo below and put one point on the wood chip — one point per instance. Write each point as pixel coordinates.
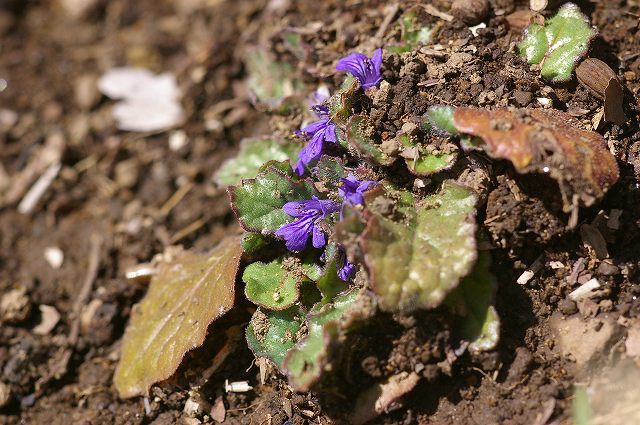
(431, 10)
(50, 318)
(585, 290)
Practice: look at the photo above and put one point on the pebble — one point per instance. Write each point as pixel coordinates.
(607, 269)
(471, 12)
(86, 91)
(5, 394)
(15, 306)
(568, 307)
(522, 98)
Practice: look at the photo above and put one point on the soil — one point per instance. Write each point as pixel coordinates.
(121, 197)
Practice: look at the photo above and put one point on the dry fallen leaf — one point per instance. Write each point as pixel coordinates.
(187, 294)
(549, 142)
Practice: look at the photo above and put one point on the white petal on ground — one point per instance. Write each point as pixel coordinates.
(145, 115)
(149, 102)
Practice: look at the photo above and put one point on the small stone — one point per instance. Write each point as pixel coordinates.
(630, 76)
(522, 98)
(86, 91)
(471, 12)
(54, 256)
(15, 306)
(607, 269)
(567, 307)
(5, 394)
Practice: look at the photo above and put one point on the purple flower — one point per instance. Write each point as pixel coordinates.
(319, 131)
(352, 190)
(347, 270)
(366, 70)
(310, 212)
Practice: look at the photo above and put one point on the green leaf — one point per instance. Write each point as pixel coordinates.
(271, 334)
(270, 81)
(474, 300)
(359, 136)
(341, 103)
(412, 33)
(330, 283)
(254, 153)
(329, 170)
(184, 298)
(255, 243)
(558, 45)
(258, 202)
(440, 118)
(415, 263)
(275, 285)
(306, 361)
(421, 162)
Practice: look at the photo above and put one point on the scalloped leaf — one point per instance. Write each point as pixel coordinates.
(546, 142)
(184, 298)
(253, 154)
(415, 263)
(440, 119)
(306, 361)
(473, 300)
(329, 170)
(420, 161)
(275, 286)
(258, 202)
(558, 45)
(271, 334)
(359, 131)
(270, 81)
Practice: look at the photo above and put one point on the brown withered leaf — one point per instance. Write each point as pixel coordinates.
(546, 141)
(189, 292)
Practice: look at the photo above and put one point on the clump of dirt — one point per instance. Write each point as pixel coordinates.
(142, 192)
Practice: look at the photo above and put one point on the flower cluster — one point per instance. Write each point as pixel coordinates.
(312, 214)
(367, 71)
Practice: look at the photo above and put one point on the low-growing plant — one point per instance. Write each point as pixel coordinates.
(559, 44)
(334, 233)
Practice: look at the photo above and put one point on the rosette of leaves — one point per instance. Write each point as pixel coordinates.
(412, 32)
(559, 44)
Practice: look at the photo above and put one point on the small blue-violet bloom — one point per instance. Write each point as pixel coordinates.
(347, 270)
(310, 212)
(320, 131)
(366, 70)
(352, 190)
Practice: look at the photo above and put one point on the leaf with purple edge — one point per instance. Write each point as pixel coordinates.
(253, 154)
(558, 45)
(415, 263)
(258, 202)
(271, 334)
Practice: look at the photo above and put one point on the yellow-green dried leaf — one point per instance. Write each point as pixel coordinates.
(415, 263)
(188, 293)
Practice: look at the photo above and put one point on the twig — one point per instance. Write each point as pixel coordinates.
(175, 199)
(60, 360)
(391, 14)
(85, 291)
(39, 188)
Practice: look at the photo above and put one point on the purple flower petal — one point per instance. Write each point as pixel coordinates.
(352, 189)
(366, 70)
(318, 238)
(296, 234)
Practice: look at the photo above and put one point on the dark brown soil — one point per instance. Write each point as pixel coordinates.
(120, 198)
